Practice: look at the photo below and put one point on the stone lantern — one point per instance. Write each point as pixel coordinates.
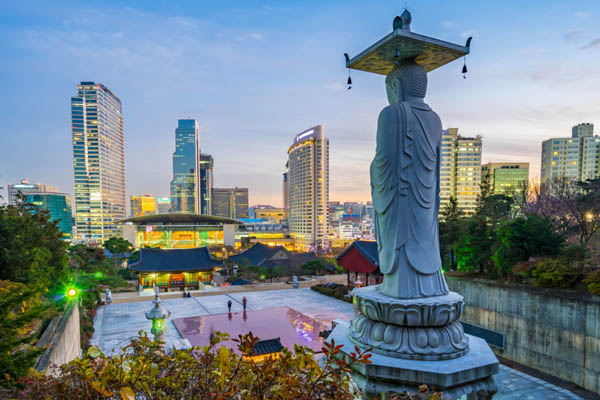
(157, 315)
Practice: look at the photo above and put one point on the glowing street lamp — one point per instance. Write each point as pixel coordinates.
(72, 292)
(157, 315)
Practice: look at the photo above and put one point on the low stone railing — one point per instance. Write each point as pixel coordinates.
(554, 331)
(62, 339)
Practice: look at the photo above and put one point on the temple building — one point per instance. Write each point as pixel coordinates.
(179, 231)
(361, 258)
(261, 255)
(180, 269)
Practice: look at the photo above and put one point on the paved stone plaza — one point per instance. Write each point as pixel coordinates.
(116, 323)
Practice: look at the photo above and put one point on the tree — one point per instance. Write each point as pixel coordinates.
(522, 238)
(451, 227)
(31, 247)
(117, 247)
(574, 206)
(21, 308)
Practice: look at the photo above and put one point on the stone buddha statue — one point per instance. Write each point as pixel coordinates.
(405, 187)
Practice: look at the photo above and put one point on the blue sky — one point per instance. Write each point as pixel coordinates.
(256, 73)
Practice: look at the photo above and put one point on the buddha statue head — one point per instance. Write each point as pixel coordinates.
(406, 82)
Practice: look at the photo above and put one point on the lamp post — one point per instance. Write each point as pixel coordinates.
(157, 315)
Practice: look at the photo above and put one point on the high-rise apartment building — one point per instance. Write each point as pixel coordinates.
(576, 158)
(308, 188)
(142, 205)
(506, 178)
(98, 162)
(460, 170)
(185, 188)
(230, 202)
(25, 188)
(206, 183)
(164, 205)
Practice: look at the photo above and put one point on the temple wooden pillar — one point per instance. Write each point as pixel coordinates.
(367, 280)
(348, 278)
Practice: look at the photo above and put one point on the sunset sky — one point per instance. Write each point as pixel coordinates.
(254, 74)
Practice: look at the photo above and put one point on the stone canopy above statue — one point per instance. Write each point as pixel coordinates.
(402, 44)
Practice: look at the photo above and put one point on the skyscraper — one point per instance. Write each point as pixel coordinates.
(576, 158)
(164, 205)
(25, 187)
(185, 190)
(506, 178)
(98, 162)
(206, 183)
(59, 207)
(230, 202)
(460, 170)
(142, 205)
(45, 197)
(308, 188)
(286, 200)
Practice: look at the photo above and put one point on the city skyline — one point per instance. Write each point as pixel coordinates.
(140, 53)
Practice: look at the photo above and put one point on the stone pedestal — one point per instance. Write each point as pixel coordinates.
(470, 374)
(415, 342)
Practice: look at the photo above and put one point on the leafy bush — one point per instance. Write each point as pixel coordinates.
(143, 370)
(338, 292)
(592, 280)
(127, 274)
(555, 273)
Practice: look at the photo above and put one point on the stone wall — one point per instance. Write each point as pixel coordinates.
(62, 338)
(553, 331)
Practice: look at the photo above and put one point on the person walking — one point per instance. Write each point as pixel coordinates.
(229, 305)
(244, 302)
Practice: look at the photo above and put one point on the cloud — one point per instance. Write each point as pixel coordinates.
(582, 14)
(592, 45)
(447, 24)
(334, 86)
(468, 33)
(573, 36)
(250, 36)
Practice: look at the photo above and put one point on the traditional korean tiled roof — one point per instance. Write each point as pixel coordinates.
(174, 260)
(257, 254)
(268, 346)
(368, 248)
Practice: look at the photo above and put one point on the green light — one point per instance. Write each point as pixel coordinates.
(262, 276)
(98, 274)
(71, 292)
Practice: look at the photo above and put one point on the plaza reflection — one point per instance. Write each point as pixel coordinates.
(291, 326)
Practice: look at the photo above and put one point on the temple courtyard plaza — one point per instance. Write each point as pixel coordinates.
(115, 323)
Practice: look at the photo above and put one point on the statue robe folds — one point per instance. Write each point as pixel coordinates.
(405, 190)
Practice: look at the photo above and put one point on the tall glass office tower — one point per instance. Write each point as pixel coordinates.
(185, 188)
(98, 162)
(308, 188)
(206, 183)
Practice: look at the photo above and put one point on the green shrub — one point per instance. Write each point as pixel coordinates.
(127, 274)
(592, 280)
(338, 292)
(555, 273)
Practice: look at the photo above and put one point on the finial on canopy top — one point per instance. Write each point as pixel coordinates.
(403, 21)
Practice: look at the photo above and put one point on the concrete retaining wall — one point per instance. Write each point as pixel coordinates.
(62, 339)
(552, 331)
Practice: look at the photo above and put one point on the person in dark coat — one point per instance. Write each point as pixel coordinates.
(229, 305)
(244, 302)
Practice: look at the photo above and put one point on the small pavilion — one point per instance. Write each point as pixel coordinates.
(175, 269)
(361, 258)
